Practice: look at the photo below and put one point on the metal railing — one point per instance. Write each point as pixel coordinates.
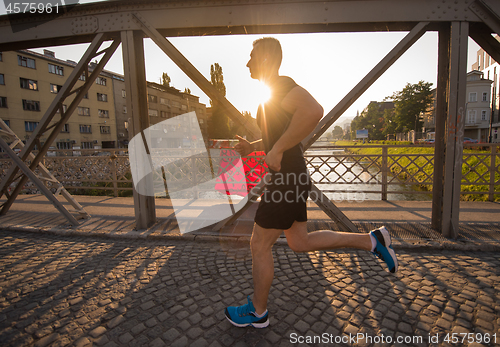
(365, 169)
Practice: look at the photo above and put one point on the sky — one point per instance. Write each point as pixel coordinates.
(328, 65)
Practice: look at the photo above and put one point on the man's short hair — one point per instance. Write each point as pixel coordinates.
(272, 47)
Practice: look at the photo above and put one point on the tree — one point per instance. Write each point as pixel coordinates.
(409, 104)
(337, 132)
(372, 118)
(217, 79)
(165, 79)
(219, 123)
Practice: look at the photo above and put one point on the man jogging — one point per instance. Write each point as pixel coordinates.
(285, 120)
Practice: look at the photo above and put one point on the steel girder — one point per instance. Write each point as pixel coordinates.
(223, 17)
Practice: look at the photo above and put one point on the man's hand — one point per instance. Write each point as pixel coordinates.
(273, 159)
(243, 147)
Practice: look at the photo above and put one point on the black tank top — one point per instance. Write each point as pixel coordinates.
(273, 121)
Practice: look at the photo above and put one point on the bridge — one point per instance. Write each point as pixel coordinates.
(128, 22)
(136, 281)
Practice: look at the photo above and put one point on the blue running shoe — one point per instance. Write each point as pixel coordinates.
(242, 316)
(383, 249)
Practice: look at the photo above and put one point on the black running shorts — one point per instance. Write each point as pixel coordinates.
(285, 199)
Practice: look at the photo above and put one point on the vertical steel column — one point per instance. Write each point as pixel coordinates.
(440, 121)
(137, 104)
(455, 128)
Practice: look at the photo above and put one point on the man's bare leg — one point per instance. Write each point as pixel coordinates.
(300, 240)
(261, 245)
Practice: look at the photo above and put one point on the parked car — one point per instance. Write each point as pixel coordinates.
(469, 140)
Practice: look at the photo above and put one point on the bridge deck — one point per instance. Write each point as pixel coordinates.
(408, 221)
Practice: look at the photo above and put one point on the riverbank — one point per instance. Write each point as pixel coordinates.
(415, 163)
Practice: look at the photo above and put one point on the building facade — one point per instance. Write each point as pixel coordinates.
(29, 82)
(491, 71)
(478, 111)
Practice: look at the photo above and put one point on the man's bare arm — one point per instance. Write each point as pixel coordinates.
(307, 113)
(244, 147)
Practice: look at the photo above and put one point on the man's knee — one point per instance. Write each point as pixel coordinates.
(297, 245)
(262, 242)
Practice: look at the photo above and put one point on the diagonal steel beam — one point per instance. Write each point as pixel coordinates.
(49, 115)
(483, 38)
(27, 171)
(486, 14)
(365, 83)
(195, 75)
(45, 173)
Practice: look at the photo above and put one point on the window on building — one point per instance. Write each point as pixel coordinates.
(31, 105)
(56, 69)
(124, 93)
(201, 121)
(3, 101)
(7, 122)
(164, 101)
(124, 109)
(65, 128)
(86, 96)
(85, 129)
(103, 113)
(83, 111)
(153, 113)
(164, 114)
(485, 96)
(176, 104)
(472, 97)
(102, 97)
(82, 77)
(101, 81)
(64, 145)
(152, 98)
(30, 126)
(105, 129)
(64, 107)
(1, 56)
(2, 79)
(471, 117)
(87, 145)
(184, 107)
(26, 62)
(28, 84)
(483, 115)
(55, 88)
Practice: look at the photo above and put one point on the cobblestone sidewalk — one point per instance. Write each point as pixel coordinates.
(82, 291)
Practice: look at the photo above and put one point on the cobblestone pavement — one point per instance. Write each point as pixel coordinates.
(82, 291)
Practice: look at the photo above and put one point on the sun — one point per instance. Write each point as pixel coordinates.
(262, 93)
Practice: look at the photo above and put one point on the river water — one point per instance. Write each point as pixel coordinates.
(353, 182)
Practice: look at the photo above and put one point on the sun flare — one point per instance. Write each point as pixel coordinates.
(263, 93)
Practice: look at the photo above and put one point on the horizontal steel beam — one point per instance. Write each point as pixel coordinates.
(176, 18)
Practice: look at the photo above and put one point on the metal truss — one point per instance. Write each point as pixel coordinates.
(54, 129)
(44, 176)
(455, 20)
